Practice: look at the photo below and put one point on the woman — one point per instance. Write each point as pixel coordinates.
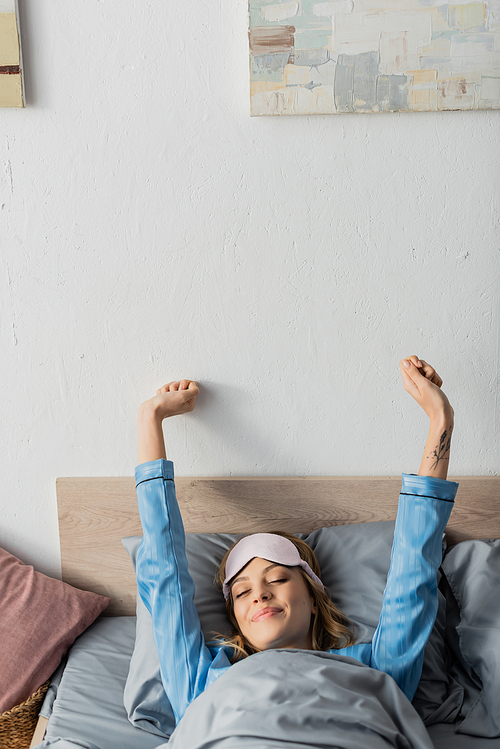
(274, 596)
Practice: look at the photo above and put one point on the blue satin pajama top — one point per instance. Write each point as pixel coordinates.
(188, 666)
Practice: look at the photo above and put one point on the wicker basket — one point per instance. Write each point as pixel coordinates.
(17, 725)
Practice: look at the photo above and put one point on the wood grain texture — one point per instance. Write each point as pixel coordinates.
(96, 513)
(40, 729)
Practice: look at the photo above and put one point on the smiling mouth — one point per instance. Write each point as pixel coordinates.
(265, 613)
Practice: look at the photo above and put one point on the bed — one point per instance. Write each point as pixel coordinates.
(85, 703)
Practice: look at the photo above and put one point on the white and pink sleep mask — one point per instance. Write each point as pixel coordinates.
(266, 546)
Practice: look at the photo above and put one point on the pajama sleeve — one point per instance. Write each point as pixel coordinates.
(167, 589)
(410, 600)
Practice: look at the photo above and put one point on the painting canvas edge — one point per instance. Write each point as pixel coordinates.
(12, 89)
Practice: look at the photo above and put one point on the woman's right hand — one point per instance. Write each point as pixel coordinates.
(173, 399)
(423, 383)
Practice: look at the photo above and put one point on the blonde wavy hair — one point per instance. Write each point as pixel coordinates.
(330, 628)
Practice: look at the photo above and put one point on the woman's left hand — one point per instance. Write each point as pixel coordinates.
(423, 383)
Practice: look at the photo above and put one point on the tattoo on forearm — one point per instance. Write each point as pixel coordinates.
(440, 452)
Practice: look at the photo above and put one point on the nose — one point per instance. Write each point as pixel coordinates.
(262, 594)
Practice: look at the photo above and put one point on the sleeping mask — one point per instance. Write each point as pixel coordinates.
(266, 546)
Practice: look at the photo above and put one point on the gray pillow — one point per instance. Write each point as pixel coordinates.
(436, 699)
(144, 698)
(354, 561)
(472, 574)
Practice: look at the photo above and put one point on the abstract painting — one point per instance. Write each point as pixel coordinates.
(11, 77)
(339, 56)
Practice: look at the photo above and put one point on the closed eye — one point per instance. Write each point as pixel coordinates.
(243, 592)
(270, 582)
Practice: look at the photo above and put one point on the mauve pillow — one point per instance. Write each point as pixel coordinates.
(40, 618)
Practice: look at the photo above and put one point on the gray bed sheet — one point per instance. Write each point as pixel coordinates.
(85, 702)
(443, 736)
(85, 705)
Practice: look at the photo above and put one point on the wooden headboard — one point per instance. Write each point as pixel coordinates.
(95, 513)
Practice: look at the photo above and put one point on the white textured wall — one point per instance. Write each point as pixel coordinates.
(151, 229)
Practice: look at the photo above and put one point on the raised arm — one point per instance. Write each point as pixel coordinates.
(410, 599)
(424, 385)
(171, 400)
(163, 578)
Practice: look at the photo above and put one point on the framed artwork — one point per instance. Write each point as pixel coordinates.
(11, 74)
(339, 56)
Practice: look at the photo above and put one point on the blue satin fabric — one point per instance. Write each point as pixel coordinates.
(188, 666)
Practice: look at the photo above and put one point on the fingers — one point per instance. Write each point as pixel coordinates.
(179, 385)
(414, 360)
(416, 376)
(424, 369)
(190, 385)
(166, 388)
(424, 385)
(410, 373)
(431, 374)
(410, 367)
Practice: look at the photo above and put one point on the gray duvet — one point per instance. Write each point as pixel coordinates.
(304, 698)
(298, 699)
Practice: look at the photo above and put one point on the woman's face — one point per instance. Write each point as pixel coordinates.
(272, 605)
